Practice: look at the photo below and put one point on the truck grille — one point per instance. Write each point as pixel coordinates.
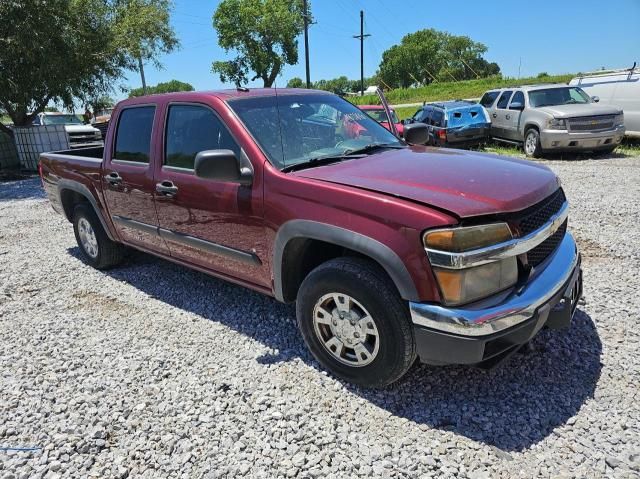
(534, 218)
(591, 123)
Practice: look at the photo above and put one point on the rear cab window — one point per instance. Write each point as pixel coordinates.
(489, 98)
(133, 135)
(504, 99)
(191, 129)
(437, 118)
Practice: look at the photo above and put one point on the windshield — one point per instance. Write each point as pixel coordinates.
(557, 96)
(380, 116)
(61, 120)
(297, 128)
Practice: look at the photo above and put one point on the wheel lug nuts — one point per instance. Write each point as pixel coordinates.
(356, 335)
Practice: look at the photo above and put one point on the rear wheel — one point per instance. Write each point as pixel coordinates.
(532, 146)
(95, 246)
(355, 323)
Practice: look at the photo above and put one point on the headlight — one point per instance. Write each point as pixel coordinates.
(456, 240)
(557, 124)
(619, 119)
(459, 286)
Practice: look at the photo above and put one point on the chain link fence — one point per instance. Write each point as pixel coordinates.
(31, 141)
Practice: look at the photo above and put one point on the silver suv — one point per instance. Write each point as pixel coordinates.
(552, 117)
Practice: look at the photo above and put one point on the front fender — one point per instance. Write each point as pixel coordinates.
(365, 245)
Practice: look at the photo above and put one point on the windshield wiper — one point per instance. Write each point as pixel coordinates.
(319, 161)
(375, 146)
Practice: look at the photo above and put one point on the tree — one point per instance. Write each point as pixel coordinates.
(295, 82)
(142, 29)
(263, 33)
(101, 103)
(166, 87)
(64, 50)
(431, 55)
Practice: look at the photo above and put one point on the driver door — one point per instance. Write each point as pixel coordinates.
(215, 225)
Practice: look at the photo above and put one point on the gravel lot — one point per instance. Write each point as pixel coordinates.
(153, 370)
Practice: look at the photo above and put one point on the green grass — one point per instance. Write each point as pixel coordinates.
(4, 119)
(454, 90)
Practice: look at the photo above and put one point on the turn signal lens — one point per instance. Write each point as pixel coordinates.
(467, 285)
(457, 240)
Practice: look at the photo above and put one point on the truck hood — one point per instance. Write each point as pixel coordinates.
(568, 111)
(80, 129)
(461, 182)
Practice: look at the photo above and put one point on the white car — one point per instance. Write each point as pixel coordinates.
(619, 88)
(80, 135)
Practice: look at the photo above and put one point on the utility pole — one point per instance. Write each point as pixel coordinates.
(361, 37)
(306, 42)
(144, 82)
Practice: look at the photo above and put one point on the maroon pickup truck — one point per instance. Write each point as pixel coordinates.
(391, 251)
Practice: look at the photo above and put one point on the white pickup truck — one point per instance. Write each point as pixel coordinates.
(80, 135)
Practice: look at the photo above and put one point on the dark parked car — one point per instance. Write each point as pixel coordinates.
(456, 124)
(391, 251)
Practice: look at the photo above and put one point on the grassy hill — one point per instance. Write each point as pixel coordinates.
(454, 90)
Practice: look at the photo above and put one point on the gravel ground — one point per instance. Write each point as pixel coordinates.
(153, 370)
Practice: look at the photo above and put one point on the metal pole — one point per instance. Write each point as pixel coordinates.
(361, 37)
(361, 52)
(306, 41)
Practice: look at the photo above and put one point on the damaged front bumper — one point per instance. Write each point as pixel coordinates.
(489, 331)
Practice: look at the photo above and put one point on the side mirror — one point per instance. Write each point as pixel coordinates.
(222, 165)
(516, 105)
(595, 99)
(402, 122)
(416, 134)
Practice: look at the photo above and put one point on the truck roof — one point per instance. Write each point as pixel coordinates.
(225, 95)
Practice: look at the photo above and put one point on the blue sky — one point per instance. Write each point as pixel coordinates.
(556, 36)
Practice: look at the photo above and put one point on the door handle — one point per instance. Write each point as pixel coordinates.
(114, 178)
(167, 188)
(495, 115)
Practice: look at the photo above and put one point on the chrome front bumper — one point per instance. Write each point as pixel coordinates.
(564, 139)
(484, 318)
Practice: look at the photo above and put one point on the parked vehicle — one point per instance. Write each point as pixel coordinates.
(391, 251)
(378, 114)
(617, 88)
(457, 124)
(80, 135)
(552, 118)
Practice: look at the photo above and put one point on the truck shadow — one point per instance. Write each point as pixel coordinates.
(510, 408)
(20, 189)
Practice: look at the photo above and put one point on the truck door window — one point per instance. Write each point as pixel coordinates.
(133, 136)
(517, 97)
(192, 129)
(488, 98)
(504, 99)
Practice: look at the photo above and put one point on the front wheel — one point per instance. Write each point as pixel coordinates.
(532, 146)
(355, 323)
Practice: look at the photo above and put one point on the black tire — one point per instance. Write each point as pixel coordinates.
(536, 151)
(107, 253)
(369, 285)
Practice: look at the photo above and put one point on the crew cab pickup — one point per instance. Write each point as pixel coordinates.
(391, 250)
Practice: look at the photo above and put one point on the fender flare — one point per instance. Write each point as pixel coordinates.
(365, 245)
(65, 184)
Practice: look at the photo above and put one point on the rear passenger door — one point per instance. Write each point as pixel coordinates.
(513, 117)
(127, 181)
(499, 115)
